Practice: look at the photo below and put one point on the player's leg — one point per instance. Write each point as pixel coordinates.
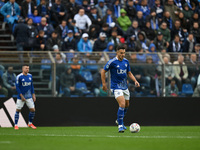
(31, 106)
(19, 105)
(120, 114)
(127, 97)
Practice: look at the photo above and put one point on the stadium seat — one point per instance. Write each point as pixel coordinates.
(82, 86)
(91, 67)
(187, 89)
(44, 62)
(87, 75)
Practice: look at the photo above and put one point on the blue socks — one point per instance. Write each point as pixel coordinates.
(120, 115)
(31, 117)
(125, 110)
(16, 117)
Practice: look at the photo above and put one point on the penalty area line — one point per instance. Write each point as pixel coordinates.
(108, 136)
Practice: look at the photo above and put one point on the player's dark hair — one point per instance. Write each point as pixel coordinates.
(120, 47)
(24, 65)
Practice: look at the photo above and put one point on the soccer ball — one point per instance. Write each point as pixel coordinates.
(134, 128)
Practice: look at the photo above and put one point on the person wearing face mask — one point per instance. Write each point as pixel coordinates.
(9, 81)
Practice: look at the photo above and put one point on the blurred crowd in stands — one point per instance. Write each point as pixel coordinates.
(143, 26)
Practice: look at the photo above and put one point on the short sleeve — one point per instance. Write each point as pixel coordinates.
(107, 66)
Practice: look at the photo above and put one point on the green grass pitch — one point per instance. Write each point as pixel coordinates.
(100, 138)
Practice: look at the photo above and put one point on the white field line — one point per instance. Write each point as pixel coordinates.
(108, 136)
(5, 142)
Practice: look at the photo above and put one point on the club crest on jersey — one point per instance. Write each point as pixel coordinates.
(22, 79)
(29, 78)
(126, 65)
(117, 66)
(107, 66)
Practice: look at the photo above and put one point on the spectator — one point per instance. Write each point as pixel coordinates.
(175, 45)
(86, 7)
(168, 20)
(47, 28)
(21, 33)
(159, 10)
(109, 18)
(154, 22)
(101, 8)
(169, 71)
(110, 48)
(43, 9)
(188, 45)
(141, 56)
(27, 8)
(116, 27)
(116, 8)
(40, 41)
(95, 18)
(36, 18)
(177, 30)
(150, 33)
(114, 39)
(160, 43)
(172, 9)
(58, 12)
(9, 79)
(140, 19)
(32, 33)
(72, 8)
(142, 41)
(180, 71)
(3, 90)
(133, 30)
(193, 69)
(93, 34)
(197, 89)
(69, 42)
(123, 20)
(105, 29)
(62, 29)
(144, 8)
(11, 12)
(165, 32)
(172, 89)
(53, 42)
(130, 9)
(150, 72)
(131, 43)
(187, 12)
(96, 83)
(84, 45)
(152, 53)
(197, 49)
(196, 32)
(195, 18)
(67, 81)
(60, 62)
(72, 26)
(101, 43)
(184, 23)
(83, 22)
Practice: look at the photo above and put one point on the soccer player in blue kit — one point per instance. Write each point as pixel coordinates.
(119, 69)
(25, 90)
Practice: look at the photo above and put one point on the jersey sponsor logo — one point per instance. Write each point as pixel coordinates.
(26, 83)
(121, 71)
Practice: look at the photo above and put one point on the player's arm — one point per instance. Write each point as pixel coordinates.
(103, 79)
(131, 76)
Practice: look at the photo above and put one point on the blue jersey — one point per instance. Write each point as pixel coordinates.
(24, 85)
(118, 70)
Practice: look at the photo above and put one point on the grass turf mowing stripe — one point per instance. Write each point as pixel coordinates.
(109, 136)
